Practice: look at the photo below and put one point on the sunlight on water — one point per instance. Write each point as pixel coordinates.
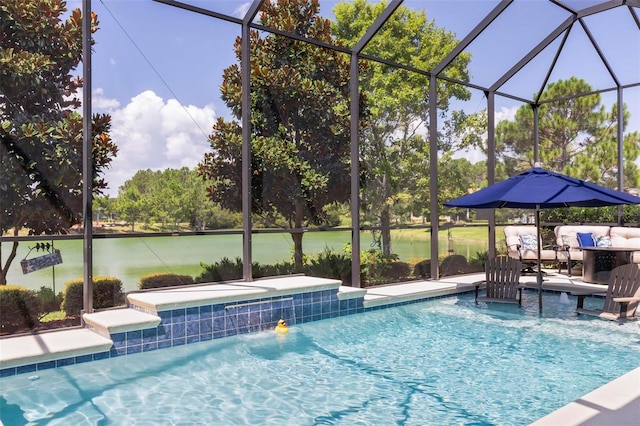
(447, 361)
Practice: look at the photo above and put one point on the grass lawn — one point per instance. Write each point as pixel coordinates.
(53, 316)
(472, 233)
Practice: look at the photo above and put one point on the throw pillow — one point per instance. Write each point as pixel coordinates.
(604, 241)
(585, 239)
(528, 242)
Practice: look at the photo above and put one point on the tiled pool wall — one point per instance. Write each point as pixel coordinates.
(206, 322)
(45, 365)
(201, 323)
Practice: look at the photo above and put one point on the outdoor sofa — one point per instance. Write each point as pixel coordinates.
(520, 241)
(571, 238)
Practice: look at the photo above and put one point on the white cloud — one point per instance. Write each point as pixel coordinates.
(99, 102)
(506, 113)
(154, 134)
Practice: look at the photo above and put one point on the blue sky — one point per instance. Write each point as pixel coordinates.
(157, 69)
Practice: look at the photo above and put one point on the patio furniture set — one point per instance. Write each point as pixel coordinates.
(607, 253)
(599, 248)
(621, 297)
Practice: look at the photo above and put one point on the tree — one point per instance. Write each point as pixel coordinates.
(41, 131)
(299, 124)
(103, 207)
(131, 205)
(577, 137)
(176, 195)
(394, 151)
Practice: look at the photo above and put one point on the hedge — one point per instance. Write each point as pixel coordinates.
(19, 308)
(107, 293)
(163, 280)
(223, 270)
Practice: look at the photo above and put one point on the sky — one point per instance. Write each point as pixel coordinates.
(158, 69)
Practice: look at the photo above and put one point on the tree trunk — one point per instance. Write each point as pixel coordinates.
(297, 237)
(385, 222)
(12, 255)
(297, 252)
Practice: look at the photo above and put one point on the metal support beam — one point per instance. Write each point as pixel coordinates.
(201, 11)
(491, 165)
(354, 106)
(534, 52)
(486, 21)
(553, 64)
(245, 69)
(536, 134)
(633, 12)
(601, 55)
(375, 27)
(620, 151)
(433, 174)
(87, 161)
(354, 94)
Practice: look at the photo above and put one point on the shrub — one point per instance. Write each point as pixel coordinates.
(164, 280)
(479, 260)
(107, 293)
(224, 270)
(396, 271)
(374, 263)
(49, 301)
(19, 308)
(72, 299)
(284, 268)
(423, 269)
(454, 265)
(330, 264)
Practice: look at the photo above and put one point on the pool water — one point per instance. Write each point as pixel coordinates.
(446, 361)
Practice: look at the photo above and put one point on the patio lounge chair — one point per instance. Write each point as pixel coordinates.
(522, 244)
(622, 296)
(502, 281)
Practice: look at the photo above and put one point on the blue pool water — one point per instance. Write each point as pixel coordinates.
(446, 361)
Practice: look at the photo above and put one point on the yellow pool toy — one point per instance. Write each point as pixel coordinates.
(282, 328)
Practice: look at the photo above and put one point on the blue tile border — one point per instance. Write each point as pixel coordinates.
(215, 321)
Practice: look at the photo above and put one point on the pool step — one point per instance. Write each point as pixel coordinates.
(52, 347)
(416, 290)
(120, 320)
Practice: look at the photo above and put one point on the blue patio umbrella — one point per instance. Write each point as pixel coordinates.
(542, 189)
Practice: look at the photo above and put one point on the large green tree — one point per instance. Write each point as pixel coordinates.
(41, 130)
(172, 197)
(131, 205)
(394, 150)
(299, 124)
(577, 136)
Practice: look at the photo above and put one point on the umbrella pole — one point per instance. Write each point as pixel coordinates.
(539, 273)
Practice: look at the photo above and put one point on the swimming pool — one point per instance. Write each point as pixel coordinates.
(445, 361)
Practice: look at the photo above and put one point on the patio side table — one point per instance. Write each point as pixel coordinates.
(598, 262)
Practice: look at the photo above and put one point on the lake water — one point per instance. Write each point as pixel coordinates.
(130, 258)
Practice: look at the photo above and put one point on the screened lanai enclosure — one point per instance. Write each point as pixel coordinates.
(242, 139)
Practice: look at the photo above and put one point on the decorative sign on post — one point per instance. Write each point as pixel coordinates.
(41, 262)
